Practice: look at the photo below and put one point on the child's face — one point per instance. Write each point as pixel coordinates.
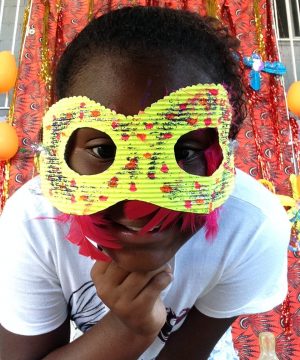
(128, 87)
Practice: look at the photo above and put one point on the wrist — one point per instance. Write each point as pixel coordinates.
(129, 333)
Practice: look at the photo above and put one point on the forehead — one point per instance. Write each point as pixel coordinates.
(130, 84)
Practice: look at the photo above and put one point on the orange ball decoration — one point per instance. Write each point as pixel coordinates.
(293, 98)
(9, 141)
(8, 71)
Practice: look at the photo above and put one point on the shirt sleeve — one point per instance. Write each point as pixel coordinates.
(255, 279)
(32, 300)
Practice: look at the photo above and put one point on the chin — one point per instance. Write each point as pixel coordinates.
(140, 260)
(145, 252)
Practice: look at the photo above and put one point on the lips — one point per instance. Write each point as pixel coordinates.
(129, 235)
(136, 227)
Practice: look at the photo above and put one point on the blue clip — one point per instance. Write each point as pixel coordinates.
(257, 65)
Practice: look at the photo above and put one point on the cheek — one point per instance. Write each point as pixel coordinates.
(79, 162)
(82, 162)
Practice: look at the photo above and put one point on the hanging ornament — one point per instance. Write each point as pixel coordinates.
(257, 65)
(293, 98)
(8, 71)
(9, 142)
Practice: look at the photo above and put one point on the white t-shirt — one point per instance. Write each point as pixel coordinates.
(43, 278)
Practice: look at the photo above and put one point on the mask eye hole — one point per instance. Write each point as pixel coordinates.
(90, 151)
(198, 152)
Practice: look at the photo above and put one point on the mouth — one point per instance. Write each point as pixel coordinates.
(135, 228)
(130, 235)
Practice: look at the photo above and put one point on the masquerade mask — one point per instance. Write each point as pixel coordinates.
(145, 166)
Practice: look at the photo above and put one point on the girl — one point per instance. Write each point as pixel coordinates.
(172, 272)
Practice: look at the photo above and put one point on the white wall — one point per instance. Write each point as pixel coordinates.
(286, 58)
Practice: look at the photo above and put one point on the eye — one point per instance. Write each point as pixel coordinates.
(105, 152)
(90, 151)
(190, 151)
(186, 154)
(191, 160)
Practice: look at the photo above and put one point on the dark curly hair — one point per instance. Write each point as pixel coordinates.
(153, 31)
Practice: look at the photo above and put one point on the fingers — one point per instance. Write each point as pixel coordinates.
(136, 282)
(102, 271)
(134, 297)
(114, 282)
(154, 287)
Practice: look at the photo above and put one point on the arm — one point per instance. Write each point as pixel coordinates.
(13, 346)
(137, 315)
(196, 338)
(106, 340)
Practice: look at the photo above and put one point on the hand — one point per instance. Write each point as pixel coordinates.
(133, 297)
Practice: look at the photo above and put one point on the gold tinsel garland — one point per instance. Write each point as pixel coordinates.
(212, 8)
(46, 72)
(91, 10)
(259, 30)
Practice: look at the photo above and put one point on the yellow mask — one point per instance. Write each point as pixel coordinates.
(144, 167)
